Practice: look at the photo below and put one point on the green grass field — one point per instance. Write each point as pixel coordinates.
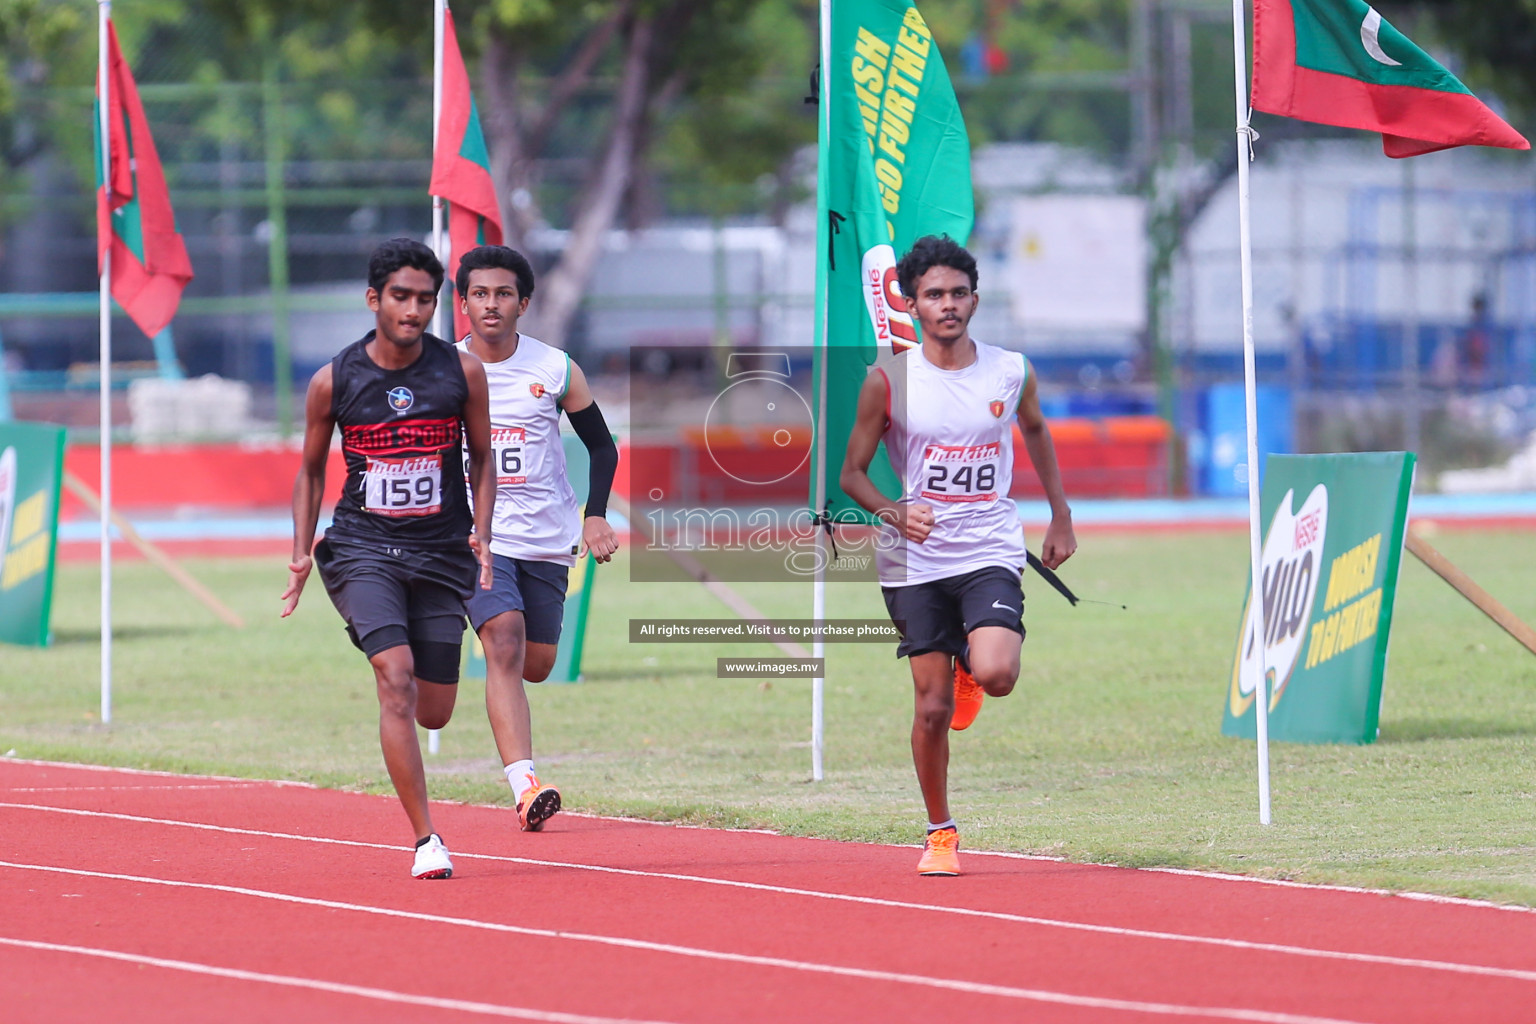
(1109, 750)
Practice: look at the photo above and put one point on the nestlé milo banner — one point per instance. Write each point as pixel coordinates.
(1333, 543)
(31, 469)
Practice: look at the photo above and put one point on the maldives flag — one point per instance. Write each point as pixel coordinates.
(1338, 62)
(134, 220)
(461, 166)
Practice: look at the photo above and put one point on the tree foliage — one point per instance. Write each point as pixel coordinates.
(1495, 41)
(613, 112)
(581, 101)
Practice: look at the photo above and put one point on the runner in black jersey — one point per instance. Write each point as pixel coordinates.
(400, 560)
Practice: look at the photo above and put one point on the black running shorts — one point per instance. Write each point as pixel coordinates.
(386, 594)
(940, 614)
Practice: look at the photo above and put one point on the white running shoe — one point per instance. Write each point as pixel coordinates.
(432, 860)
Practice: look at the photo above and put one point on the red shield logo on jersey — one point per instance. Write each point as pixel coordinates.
(537, 389)
(996, 405)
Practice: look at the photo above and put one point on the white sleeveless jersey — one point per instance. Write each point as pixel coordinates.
(950, 441)
(536, 514)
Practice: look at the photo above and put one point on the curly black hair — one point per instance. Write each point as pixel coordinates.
(390, 256)
(487, 257)
(933, 251)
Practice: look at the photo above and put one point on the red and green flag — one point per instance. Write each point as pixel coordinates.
(134, 219)
(894, 165)
(461, 166)
(1339, 62)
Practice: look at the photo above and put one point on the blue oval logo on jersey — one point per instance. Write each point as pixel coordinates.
(401, 399)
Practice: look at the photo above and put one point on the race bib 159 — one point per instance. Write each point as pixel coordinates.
(404, 487)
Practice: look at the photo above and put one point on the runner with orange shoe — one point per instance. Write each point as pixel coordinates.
(953, 551)
(537, 531)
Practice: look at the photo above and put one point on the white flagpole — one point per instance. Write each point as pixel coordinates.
(104, 11)
(434, 736)
(1245, 137)
(819, 488)
(438, 7)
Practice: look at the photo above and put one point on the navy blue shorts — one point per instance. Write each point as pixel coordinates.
(939, 615)
(537, 589)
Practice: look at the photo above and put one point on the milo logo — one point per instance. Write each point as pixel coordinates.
(7, 500)
(1291, 566)
(882, 298)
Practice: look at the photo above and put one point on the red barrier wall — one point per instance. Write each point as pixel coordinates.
(1117, 457)
(217, 477)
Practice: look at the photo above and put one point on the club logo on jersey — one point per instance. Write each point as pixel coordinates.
(997, 407)
(401, 399)
(537, 389)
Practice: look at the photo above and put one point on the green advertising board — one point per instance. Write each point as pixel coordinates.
(1333, 543)
(31, 469)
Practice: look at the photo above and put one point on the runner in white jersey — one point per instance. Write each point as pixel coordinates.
(950, 564)
(537, 532)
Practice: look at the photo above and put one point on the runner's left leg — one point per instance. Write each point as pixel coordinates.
(544, 587)
(994, 658)
(434, 703)
(540, 661)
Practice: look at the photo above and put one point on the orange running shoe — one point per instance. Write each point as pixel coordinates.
(968, 698)
(941, 853)
(537, 806)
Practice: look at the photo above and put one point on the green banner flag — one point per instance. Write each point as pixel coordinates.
(894, 165)
(31, 471)
(1330, 561)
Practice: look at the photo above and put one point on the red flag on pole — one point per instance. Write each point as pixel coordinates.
(133, 211)
(1338, 62)
(461, 166)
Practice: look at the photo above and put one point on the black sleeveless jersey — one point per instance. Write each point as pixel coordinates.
(401, 432)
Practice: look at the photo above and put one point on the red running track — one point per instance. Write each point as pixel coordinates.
(138, 896)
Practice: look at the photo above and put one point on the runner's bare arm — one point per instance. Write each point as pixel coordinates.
(869, 424)
(482, 478)
(587, 420)
(1060, 540)
(309, 486)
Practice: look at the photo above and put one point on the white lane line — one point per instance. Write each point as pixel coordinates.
(807, 966)
(366, 992)
(125, 789)
(109, 769)
(1451, 966)
(1222, 876)
(1403, 894)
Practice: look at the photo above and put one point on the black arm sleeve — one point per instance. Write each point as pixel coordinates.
(593, 431)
